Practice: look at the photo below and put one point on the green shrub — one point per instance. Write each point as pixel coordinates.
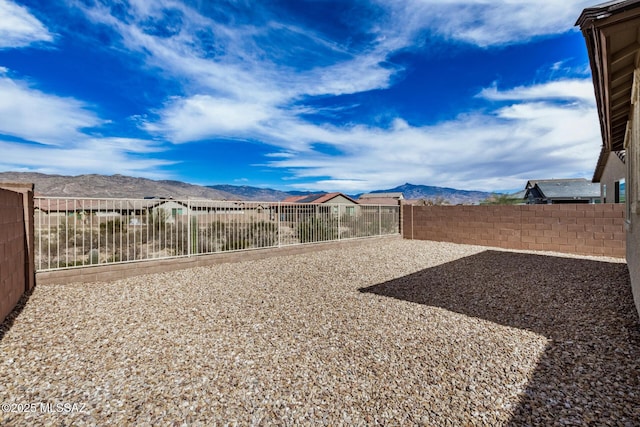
(317, 230)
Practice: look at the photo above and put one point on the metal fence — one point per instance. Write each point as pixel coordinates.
(74, 232)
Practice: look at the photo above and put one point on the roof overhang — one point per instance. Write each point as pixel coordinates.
(611, 33)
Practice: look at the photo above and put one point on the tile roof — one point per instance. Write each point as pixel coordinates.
(307, 198)
(567, 189)
(379, 201)
(316, 198)
(390, 195)
(532, 182)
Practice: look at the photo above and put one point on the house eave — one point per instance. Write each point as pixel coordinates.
(611, 35)
(602, 162)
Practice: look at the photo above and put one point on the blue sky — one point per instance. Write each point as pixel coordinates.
(342, 95)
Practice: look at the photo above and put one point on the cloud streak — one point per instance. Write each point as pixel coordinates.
(531, 135)
(33, 115)
(484, 23)
(58, 131)
(19, 28)
(567, 89)
(106, 155)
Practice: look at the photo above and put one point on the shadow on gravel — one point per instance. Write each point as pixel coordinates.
(590, 371)
(11, 317)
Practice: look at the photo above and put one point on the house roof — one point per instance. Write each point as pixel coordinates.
(64, 205)
(532, 182)
(390, 195)
(390, 198)
(74, 205)
(316, 198)
(611, 33)
(519, 194)
(566, 189)
(379, 201)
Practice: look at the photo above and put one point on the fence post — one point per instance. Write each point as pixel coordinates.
(412, 222)
(278, 213)
(188, 227)
(339, 222)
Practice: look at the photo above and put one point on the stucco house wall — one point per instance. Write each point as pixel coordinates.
(632, 146)
(339, 199)
(613, 172)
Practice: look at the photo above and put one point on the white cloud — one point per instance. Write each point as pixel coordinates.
(202, 116)
(244, 64)
(525, 139)
(550, 129)
(36, 116)
(485, 22)
(580, 89)
(58, 142)
(105, 155)
(19, 28)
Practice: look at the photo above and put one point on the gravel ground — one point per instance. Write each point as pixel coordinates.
(392, 332)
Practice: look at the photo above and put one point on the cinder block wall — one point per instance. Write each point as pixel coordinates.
(570, 228)
(12, 251)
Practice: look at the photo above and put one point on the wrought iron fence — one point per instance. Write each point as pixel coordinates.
(77, 232)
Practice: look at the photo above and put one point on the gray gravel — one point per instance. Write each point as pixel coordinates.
(392, 332)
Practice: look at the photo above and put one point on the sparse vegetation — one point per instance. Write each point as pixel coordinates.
(502, 199)
(317, 230)
(90, 239)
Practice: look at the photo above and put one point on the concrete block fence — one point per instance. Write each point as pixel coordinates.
(583, 229)
(17, 274)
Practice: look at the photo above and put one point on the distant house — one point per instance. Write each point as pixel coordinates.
(173, 210)
(316, 204)
(611, 173)
(82, 208)
(322, 198)
(381, 198)
(168, 209)
(520, 195)
(554, 191)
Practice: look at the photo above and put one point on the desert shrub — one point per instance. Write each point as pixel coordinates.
(502, 199)
(112, 226)
(235, 244)
(263, 234)
(316, 230)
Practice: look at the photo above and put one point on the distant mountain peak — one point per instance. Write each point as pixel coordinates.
(451, 195)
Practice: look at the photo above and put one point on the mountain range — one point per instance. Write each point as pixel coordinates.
(451, 195)
(115, 186)
(110, 186)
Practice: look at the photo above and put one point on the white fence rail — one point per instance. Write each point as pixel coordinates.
(74, 232)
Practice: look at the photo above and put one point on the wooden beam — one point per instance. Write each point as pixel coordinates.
(625, 52)
(622, 90)
(620, 114)
(619, 123)
(619, 132)
(622, 74)
(624, 102)
(617, 144)
(619, 128)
